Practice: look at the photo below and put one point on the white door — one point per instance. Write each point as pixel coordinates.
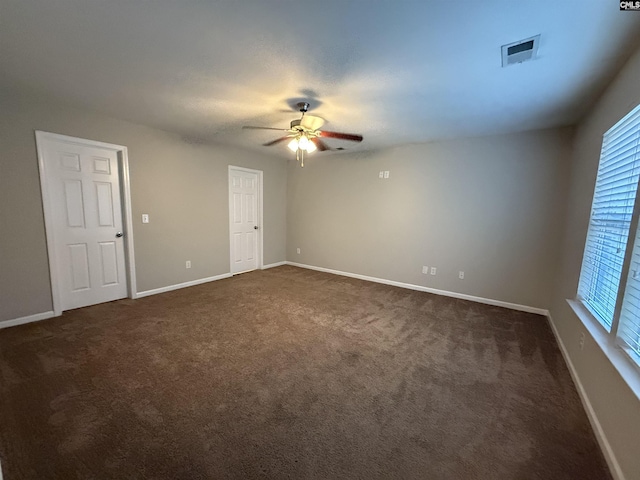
(83, 191)
(243, 222)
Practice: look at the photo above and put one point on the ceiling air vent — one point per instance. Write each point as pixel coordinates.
(521, 51)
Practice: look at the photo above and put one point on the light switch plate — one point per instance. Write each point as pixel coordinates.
(145, 218)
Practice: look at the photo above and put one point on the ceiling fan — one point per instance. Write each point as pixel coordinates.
(305, 134)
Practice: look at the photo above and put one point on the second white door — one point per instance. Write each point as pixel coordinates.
(244, 190)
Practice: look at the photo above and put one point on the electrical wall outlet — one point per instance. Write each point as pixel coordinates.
(581, 342)
(188, 264)
(433, 270)
(298, 251)
(461, 275)
(425, 270)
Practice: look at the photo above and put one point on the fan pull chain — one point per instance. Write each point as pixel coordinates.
(300, 157)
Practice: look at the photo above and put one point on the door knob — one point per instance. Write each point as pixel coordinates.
(255, 227)
(119, 234)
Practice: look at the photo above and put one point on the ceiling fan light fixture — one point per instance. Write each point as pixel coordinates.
(311, 147)
(305, 136)
(293, 145)
(303, 143)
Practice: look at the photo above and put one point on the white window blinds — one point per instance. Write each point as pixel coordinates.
(628, 333)
(629, 325)
(610, 222)
(613, 213)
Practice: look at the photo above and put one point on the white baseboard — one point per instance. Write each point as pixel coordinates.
(45, 315)
(178, 286)
(28, 319)
(462, 296)
(609, 456)
(264, 267)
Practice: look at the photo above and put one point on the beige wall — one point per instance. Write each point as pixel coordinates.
(182, 186)
(616, 407)
(490, 206)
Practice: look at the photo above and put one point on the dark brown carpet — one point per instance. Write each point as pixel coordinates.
(291, 374)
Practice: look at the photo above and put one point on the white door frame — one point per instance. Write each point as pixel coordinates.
(259, 263)
(127, 221)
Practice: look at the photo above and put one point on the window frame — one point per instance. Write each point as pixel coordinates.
(627, 363)
(620, 360)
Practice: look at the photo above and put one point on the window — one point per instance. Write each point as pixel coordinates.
(614, 302)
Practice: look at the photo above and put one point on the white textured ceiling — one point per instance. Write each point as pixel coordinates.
(395, 71)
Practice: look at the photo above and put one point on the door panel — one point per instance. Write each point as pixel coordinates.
(237, 208)
(74, 204)
(70, 161)
(83, 184)
(250, 206)
(251, 246)
(105, 204)
(109, 264)
(237, 247)
(102, 165)
(79, 264)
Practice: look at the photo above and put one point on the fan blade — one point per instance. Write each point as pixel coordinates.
(277, 140)
(320, 144)
(343, 136)
(265, 128)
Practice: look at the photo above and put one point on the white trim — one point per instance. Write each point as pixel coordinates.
(446, 293)
(125, 188)
(178, 286)
(128, 223)
(45, 315)
(48, 225)
(264, 267)
(28, 319)
(609, 456)
(625, 366)
(260, 253)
